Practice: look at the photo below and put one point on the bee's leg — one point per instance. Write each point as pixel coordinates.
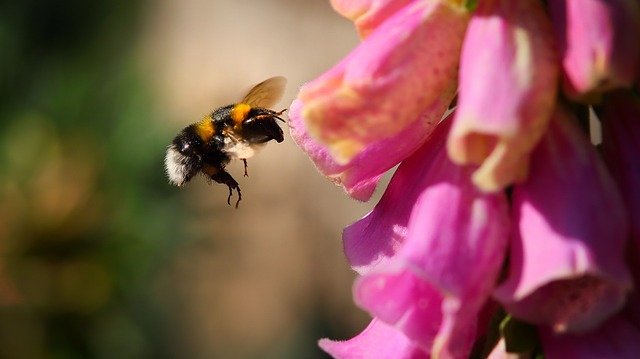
(224, 177)
(239, 197)
(279, 114)
(244, 160)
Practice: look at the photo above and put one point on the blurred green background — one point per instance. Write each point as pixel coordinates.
(101, 258)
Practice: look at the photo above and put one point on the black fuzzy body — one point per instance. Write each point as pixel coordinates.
(209, 145)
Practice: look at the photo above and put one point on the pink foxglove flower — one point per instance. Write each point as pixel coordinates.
(360, 176)
(404, 68)
(508, 80)
(503, 211)
(437, 306)
(599, 43)
(566, 267)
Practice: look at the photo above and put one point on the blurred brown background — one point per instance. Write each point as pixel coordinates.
(101, 258)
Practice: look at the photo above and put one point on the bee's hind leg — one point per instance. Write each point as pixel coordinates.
(231, 192)
(224, 177)
(244, 160)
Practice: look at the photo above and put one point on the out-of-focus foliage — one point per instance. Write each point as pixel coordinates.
(85, 214)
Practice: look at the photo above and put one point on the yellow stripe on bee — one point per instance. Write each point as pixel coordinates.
(239, 113)
(205, 129)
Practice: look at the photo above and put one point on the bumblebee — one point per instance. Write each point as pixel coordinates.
(233, 132)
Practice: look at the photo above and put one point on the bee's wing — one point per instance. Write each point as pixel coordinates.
(267, 93)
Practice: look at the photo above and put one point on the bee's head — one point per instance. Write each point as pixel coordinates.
(183, 160)
(263, 127)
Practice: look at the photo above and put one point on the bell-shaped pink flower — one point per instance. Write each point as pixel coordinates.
(377, 341)
(567, 264)
(360, 176)
(599, 43)
(398, 72)
(430, 265)
(367, 15)
(508, 80)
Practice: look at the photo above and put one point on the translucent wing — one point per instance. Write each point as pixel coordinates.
(267, 93)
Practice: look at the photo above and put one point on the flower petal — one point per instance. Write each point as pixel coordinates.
(377, 341)
(508, 80)
(567, 266)
(367, 15)
(617, 338)
(435, 285)
(360, 176)
(598, 43)
(376, 237)
(388, 81)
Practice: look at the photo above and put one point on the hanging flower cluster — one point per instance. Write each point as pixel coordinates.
(502, 218)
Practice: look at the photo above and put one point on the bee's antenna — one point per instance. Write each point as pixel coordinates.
(280, 113)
